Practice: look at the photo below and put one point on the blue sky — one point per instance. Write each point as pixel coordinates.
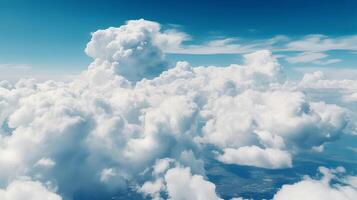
(50, 36)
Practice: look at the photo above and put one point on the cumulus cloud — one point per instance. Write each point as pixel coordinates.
(182, 185)
(179, 184)
(329, 187)
(27, 189)
(131, 119)
(318, 80)
(255, 156)
(133, 50)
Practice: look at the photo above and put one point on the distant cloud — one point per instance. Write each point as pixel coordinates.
(312, 48)
(318, 43)
(329, 187)
(330, 73)
(308, 43)
(311, 57)
(306, 57)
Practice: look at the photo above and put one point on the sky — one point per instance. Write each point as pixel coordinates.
(179, 100)
(48, 37)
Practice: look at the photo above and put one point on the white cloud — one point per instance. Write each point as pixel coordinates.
(318, 42)
(117, 129)
(133, 50)
(312, 47)
(306, 57)
(326, 62)
(330, 73)
(310, 43)
(182, 185)
(29, 190)
(321, 189)
(152, 189)
(255, 156)
(317, 58)
(46, 163)
(218, 46)
(318, 80)
(311, 57)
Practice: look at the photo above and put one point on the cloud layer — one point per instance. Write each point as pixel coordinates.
(131, 121)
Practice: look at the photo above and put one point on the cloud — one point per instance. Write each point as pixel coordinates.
(306, 57)
(329, 73)
(318, 42)
(329, 186)
(318, 80)
(311, 57)
(218, 46)
(255, 156)
(117, 124)
(182, 185)
(133, 50)
(309, 44)
(45, 162)
(27, 189)
(179, 183)
(173, 41)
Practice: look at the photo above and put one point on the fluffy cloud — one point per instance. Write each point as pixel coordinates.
(318, 80)
(182, 185)
(134, 50)
(128, 119)
(179, 184)
(255, 156)
(329, 187)
(26, 189)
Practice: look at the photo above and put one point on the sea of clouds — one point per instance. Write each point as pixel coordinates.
(131, 121)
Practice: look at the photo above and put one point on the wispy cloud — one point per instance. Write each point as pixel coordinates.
(313, 48)
(320, 43)
(306, 57)
(311, 57)
(281, 43)
(226, 45)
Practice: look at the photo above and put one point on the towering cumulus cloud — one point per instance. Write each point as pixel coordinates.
(133, 122)
(134, 50)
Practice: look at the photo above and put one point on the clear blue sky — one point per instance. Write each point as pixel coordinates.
(51, 35)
